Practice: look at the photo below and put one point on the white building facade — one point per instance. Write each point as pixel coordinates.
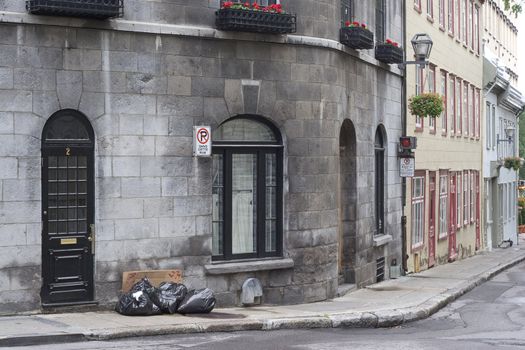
(503, 103)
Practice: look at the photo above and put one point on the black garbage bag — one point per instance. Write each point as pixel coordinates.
(197, 301)
(168, 296)
(143, 285)
(136, 304)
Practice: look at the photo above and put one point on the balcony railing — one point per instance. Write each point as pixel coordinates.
(255, 21)
(99, 9)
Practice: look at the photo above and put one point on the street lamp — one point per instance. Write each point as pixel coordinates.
(422, 45)
(509, 133)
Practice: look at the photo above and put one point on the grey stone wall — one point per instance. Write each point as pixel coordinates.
(314, 18)
(143, 93)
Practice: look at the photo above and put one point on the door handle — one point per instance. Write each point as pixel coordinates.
(91, 237)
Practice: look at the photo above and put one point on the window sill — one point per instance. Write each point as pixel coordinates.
(223, 268)
(381, 240)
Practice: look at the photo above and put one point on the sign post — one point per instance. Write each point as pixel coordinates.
(201, 141)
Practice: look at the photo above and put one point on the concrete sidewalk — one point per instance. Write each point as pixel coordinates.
(384, 304)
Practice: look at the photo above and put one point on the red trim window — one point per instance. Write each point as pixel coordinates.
(464, 109)
(459, 97)
(475, 30)
(451, 17)
(464, 22)
(472, 192)
(419, 90)
(417, 5)
(477, 106)
(459, 209)
(472, 111)
(457, 17)
(466, 197)
(470, 26)
(430, 10)
(418, 210)
(442, 14)
(452, 102)
(432, 88)
(443, 204)
(443, 91)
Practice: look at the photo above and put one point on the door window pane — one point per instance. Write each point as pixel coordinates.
(218, 204)
(244, 198)
(271, 202)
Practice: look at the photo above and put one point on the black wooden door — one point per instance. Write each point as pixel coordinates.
(68, 221)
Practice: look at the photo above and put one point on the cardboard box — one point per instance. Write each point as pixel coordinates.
(129, 278)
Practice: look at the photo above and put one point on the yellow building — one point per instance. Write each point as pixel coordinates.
(443, 198)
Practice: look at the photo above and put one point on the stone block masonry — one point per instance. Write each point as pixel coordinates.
(142, 93)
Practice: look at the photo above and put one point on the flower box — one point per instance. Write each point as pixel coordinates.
(389, 53)
(255, 21)
(99, 9)
(357, 37)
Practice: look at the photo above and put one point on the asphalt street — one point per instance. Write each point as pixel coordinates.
(492, 316)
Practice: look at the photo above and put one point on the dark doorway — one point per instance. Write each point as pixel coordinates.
(67, 209)
(347, 202)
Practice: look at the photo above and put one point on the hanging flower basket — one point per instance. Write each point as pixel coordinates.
(427, 104)
(254, 18)
(512, 163)
(389, 52)
(356, 35)
(76, 8)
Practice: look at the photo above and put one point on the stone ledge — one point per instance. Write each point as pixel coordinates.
(382, 240)
(192, 31)
(224, 268)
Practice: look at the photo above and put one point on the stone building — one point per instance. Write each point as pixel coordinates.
(97, 174)
(443, 198)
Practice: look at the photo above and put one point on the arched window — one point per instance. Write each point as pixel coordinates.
(379, 182)
(247, 189)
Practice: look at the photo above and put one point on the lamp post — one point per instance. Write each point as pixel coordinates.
(422, 45)
(509, 133)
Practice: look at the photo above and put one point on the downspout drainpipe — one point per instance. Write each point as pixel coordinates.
(404, 255)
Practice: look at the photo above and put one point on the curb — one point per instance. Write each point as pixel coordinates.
(43, 339)
(378, 319)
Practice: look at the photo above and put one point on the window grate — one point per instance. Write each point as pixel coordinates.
(380, 269)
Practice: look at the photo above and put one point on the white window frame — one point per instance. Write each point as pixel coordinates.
(418, 211)
(466, 206)
(443, 206)
(459, 195)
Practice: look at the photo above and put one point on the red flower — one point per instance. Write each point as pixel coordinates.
(227, 4)
(347, 24)
(395, 44)
(355, 24)
(246, 4)
(388, 41)
(363, 25)
(256, 6)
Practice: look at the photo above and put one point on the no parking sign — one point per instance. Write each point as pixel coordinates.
(201, 141)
